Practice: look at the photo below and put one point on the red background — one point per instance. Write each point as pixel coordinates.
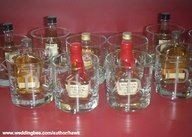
(94, 15)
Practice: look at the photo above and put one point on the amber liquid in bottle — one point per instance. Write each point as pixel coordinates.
(127, 83)
(78, 82)
(27, 69)
(87, 48)
(52, 43)
(175, 69)
(164, 34)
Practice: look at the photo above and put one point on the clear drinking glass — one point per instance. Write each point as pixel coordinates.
(173, 73)
(4, 80)
(190, 35)
(71, 96)
(56, 44)
(133, 92)
(96, 46)
(31, 83)
(139, 41)
(155, 37)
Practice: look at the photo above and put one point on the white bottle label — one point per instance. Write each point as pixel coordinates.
(9, 55)
(164, 45)
(87, 61)
(128, 88)
(80, 91)
(53, 49)
(173, 75)
(29, 82)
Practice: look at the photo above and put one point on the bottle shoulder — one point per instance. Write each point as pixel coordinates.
(176, 49)
(26, 59)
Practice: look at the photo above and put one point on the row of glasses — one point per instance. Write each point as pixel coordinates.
(104, 57)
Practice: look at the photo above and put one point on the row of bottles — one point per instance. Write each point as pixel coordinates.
(74, 76)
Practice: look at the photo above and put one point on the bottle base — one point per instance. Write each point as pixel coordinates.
(128, 105)
(74, 108)
(170, 94)
(35, 101)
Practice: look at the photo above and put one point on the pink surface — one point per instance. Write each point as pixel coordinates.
(163, 118)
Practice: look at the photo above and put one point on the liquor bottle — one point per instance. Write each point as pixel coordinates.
(52, 43)
(28, 68)
(164, 34)
(127, 83)
(87, 48)
(173, 68)
(9, 46)
(78, 82)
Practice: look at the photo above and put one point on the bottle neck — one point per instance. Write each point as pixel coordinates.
(126, 55)
(8, 37)
(164, 25)
(77, 64)
(51, 30)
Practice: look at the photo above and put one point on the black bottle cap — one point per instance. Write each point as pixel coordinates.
(7, 26)
(51, 19)
(165, 16)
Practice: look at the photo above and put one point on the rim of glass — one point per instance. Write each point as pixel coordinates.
(32, 33)
(92, 34)
(139, 51)
(155, 25)
(190, 32)
(66, 55)
(133, 34)
(37, 49)
(164, 54)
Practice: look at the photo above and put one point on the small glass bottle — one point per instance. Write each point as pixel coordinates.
(164, 34)
(9, 46)
(78, 82)
(127, 83)
(51, 35)
(87, 47)
(177, 50)
(28, 69)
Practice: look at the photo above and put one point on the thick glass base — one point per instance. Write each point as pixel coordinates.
(74, 106)
(4, 83)
(183, 92)
(128, 103)
(31, 100)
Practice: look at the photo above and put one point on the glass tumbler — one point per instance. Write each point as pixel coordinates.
(173, 74)
(4, 80)
(97, 46)
(55, 44)
(71, 95)
(31, 83)
(155, 37)
(190, 35)
(130, 91)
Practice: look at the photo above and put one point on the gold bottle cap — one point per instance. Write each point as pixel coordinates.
(85, 36)
(127, 35)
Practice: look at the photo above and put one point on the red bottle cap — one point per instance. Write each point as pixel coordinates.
(76, 55)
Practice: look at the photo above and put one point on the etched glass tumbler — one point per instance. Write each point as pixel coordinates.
(129, 89)
(31, 82)
(70, 94)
